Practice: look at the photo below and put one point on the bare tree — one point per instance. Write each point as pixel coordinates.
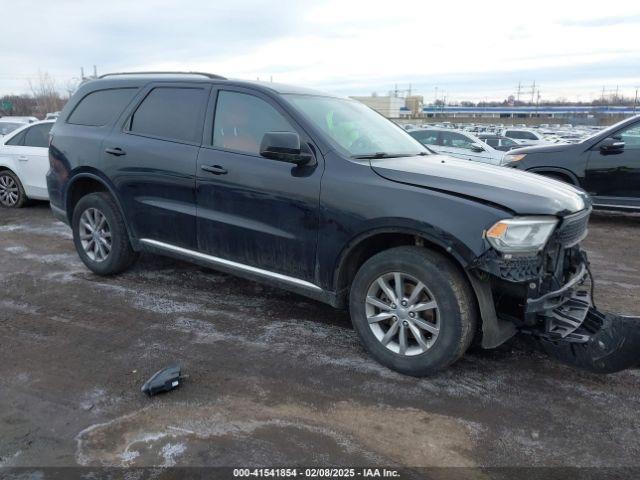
(46, 95)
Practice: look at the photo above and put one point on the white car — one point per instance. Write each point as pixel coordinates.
(11, 118)
(458, 144)
(24, 162)
(524, 136)
(8, 125)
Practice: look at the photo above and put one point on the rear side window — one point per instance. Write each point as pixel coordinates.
(101, 107)
(38, 135)
(17, 139)
(171, 113)
(521, 135)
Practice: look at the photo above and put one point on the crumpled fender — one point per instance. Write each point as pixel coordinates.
(613, 345)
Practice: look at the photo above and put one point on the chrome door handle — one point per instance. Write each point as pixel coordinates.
(215, 169)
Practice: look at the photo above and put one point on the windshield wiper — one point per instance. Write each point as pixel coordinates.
(374, 155)
(387, 155)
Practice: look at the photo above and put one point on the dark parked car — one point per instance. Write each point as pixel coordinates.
(322, 196)
(606, 165)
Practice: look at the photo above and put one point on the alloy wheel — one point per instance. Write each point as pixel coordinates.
(9, 192)
(402, 313)
(95, 234)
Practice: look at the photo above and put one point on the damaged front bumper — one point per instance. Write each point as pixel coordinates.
(549, 296)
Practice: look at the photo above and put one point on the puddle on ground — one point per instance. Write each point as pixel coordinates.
(347, 433)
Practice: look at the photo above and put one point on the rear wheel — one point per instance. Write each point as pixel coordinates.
(413, 310)
(11, 191)
(100, 235)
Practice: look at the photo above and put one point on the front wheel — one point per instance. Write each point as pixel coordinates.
(100, 235)
(413, 310)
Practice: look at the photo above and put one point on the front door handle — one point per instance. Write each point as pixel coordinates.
(117, 151)
(215, 169)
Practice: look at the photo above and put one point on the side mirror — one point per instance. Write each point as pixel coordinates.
(284, 147)
(611, 144)
(477, 148)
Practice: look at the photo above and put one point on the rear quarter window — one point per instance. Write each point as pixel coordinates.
(101, 107)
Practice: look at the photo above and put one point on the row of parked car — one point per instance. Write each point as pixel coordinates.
(614, 181)
(603, 161)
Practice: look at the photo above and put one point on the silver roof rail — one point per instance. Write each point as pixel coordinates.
(208, 75)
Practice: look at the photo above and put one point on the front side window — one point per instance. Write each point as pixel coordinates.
(354, 127)
(101, 107)
(241, 120)
(426, 137)
(37, 136)
(631, 137)
(455, 140)
(171, 113)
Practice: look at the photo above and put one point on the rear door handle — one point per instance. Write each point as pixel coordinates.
(215, 169)
(23, 158)
(117, 151)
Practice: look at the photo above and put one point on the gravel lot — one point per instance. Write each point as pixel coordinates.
(274, 378)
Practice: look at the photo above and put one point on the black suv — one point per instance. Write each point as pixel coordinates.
(322, 196)
(606, 165)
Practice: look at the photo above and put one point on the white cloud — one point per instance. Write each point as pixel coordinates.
(467, 48)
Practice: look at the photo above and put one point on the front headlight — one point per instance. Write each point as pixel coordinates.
(521, 234)
(513, 157)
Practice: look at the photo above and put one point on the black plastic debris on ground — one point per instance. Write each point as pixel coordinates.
(163, 380)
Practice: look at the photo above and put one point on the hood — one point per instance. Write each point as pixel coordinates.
(547, 148)
(521, 192)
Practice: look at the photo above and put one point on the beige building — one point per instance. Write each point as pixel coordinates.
(414, 103)
(387, 106)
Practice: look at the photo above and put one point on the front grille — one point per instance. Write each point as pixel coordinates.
(573, 228)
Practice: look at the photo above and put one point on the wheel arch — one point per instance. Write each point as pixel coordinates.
(367, 244)
(557, 171)
(86, 182)
(5, 167)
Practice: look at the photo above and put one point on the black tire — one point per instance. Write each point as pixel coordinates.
(457, 311)
(9, 176)
(121, 255)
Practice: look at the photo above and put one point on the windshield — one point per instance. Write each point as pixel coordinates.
(8, 127)
(608, 129)
(356, 128)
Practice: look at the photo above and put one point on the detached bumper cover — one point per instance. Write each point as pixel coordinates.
(604, 343)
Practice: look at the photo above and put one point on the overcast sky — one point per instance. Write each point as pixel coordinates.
(465, 49)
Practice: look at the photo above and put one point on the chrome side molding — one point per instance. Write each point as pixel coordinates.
(229, 264)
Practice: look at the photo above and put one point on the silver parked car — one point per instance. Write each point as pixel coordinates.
(459, 144)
